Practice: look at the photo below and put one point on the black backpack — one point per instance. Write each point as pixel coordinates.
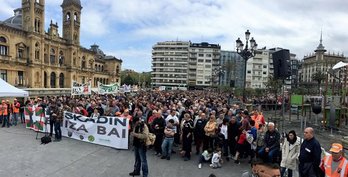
(45, 140)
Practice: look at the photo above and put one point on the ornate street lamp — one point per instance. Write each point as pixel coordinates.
(246, 53)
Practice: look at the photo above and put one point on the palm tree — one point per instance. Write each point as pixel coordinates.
(318, 77)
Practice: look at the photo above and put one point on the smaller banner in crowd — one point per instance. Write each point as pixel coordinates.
(81, 89)
(107, 131)
(35, 118)
(107, 89)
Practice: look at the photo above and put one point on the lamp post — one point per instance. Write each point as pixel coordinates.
(246, 53)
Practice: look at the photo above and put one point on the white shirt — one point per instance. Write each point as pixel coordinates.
(223, 131)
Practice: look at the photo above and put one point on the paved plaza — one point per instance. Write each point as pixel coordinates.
(21, 155)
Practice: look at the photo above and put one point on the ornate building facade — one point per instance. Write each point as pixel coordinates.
(31, 57)
(320, 61)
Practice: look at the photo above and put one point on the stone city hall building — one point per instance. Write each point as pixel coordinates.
(40, 60)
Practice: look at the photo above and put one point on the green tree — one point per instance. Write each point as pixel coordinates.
(273, 85)
(318, 77)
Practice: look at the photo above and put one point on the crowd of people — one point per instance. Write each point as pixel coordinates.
(191, 123)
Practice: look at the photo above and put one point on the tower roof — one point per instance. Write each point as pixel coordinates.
(320, 47)
(71, 2)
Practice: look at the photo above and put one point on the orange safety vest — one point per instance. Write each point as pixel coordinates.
(341, 171)
(15, 109)
(4, 110)
(257, 119)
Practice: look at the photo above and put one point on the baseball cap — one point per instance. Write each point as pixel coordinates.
(336, 148)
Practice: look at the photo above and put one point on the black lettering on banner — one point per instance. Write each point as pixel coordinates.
(101, 130)
(78, 117)
(68, 115)
(123, 133)
(123, 122)
(114, 132)
(102, 120)
(72, 125)
(110, 120)
(82, 127)
(90, 119)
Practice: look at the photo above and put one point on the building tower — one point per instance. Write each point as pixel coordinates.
(33, 17)
(71, 21)
(320, 49)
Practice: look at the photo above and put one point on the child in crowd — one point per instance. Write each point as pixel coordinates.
(205, 157)
(216, 161)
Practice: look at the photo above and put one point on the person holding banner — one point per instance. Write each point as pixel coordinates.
(140, 133)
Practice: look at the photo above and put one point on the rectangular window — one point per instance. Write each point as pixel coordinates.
(20, 53)
(208, 55)
(20, 77)
(3, 50)
(3, 75)
(249, 72)
(200, 60)
(201, 55)
(208, 61)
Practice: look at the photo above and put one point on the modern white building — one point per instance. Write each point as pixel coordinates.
(258, 69)
(203, 65)
(169, 64)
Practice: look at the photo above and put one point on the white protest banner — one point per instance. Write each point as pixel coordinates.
(107, 89)
(107, 131)
(81, 89)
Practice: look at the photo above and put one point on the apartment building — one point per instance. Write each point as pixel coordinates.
(169, 64)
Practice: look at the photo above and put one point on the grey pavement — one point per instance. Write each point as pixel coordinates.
(21, 155)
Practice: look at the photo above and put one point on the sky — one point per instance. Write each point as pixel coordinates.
(127, 29)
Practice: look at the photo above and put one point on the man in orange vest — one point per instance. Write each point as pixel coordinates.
(334, 164)
(5, 113)
(258, 118)
(15, 108)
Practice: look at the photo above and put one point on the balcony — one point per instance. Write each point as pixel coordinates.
(5, 58)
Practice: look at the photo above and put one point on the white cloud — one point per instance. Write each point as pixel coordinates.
(131, 27)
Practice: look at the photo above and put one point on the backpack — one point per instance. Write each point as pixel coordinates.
(150, 139)
(45, 140)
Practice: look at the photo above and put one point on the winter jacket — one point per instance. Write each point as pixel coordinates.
(290, 154)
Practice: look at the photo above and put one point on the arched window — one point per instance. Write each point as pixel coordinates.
(45, 79)
(76, 19)
(52, 57)
(104, 81)
(107, 81)
(83, 63)
(102, 68)
(3, 46)
(61, 80)
(95, 67)
(74, 78)
(67, 16)
(53, 80)
(61, 58)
